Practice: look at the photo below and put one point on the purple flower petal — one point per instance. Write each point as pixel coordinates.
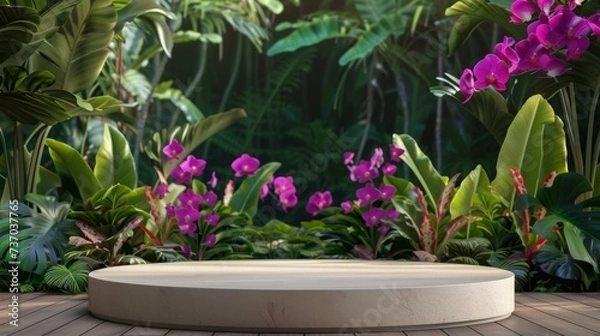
(245, 165)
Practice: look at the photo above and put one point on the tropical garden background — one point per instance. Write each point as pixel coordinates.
(142, 131)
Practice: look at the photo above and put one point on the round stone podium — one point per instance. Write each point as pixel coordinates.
(301, 295)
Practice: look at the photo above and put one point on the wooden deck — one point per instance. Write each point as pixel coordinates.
(536, 314)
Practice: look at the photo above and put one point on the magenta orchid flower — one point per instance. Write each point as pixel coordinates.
(210, 240)
(529, 51)
(377, 158)
(162, 190)
(212, 219)
(373, 217)
(318, 201)
(170, 210)
(213, 180)
(545, 5)
(193, 165)
(186, 219)
(386, 192)
(173, 150)
(395, 153)
(190, 198)
(180, 176)
(467, 84)
(264, 191)
(288, 199)
(389, 169)
(491, 71)
(507, 53)
(245, 165)
(364, 172)
(210, 198)
(348, 158)
(553, 66)
(186, 250)
(367, 195)
(347, 207)
(522, 11)
(392, 214)
(282, 184)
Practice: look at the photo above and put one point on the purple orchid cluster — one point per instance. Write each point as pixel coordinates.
(554, 34)
(371, 199)
(193, 209)
(196, 211)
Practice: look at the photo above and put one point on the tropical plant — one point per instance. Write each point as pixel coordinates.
(71, 277)
(65, 44)
(568, 61)
(278, 240)
(42, 237)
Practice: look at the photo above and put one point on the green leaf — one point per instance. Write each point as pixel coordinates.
(462, 30)
(308, 34)
(479, 10)
(72, 279)
(114, 161)
(534, 146)
(138, 8)
(476, 182)
(42, 239)
(193, 135)
(161, 29)
(597, 182)
(374, 36)
(559, 200)
(577, 248)
(17, 28)
(101, 106)
(421, 166)
(72, 169)
(32, 108)
(403, 187)
(274, 6)
(77, 52)
(245, 198)
(189, 109)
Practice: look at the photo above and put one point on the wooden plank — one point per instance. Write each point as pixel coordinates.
(42, 311)
(5, 296)
(461, 331)
(390, 333)
(22, 298)
(564, 303)
(551, 322)
(144, 331)
(79, 326)
(32, 305)
(190, 333)
(108, 329)
(425, 333)
(54, 322)
(493, 329)
(523, 327)
(586, 298)
(556, 311)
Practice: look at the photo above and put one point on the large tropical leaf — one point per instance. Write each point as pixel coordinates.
(374, 10)
(488, 106)
(475, 183)
(176, 97)
(307, 34)
(534, 145)
(73, 170)
(245, 198)
(17, 28)
(41, 238)
(560, 202)
(135, 9)
(192, 135)
(114, 162)
(77, 52)
(421, 166)
(393, 24)
(162, 30)
(478, 11)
